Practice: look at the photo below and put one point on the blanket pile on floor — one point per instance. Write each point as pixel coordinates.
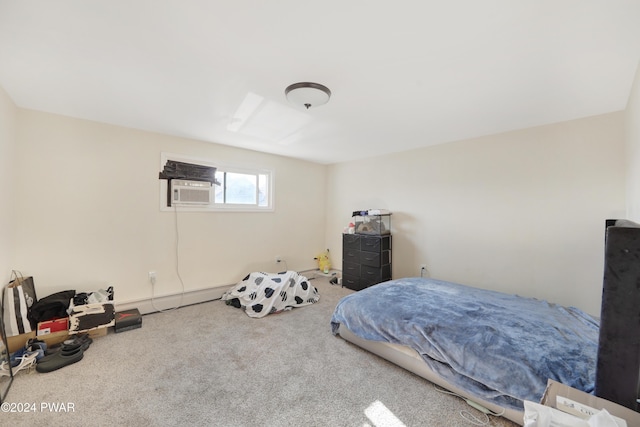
(260, 293)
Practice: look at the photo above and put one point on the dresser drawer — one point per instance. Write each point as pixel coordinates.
(353, 283)
(351, 241)
(370, 275)
(375, 243)
(375, 260)
(351, 255)
(350, 269)
(370, 259)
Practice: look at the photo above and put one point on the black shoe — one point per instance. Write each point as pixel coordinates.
(77, 341)
(62, 350)
(59, 360)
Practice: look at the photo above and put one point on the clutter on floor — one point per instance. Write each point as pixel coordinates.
(37, 354)
(55, 331)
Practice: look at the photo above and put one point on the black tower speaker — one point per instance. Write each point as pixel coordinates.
(618, 369)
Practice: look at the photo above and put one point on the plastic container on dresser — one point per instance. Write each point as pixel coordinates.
(366, 260)
(372, 222)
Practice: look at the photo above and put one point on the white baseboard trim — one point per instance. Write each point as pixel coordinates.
(169, 302)
(331, 272)
(315, 273)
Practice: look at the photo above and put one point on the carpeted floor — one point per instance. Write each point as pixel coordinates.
(210, 364)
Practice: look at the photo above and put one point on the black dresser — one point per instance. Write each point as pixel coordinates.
(366, 260)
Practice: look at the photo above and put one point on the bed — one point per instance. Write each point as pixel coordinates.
(498, 350)
(493, 348)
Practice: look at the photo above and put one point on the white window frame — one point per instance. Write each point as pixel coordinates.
(224, 167)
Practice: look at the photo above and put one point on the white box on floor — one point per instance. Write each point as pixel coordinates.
(584, 405)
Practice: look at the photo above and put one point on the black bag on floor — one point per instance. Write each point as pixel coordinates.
(51, 307)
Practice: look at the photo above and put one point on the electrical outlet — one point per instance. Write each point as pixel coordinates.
(152, 277)
(423, 270)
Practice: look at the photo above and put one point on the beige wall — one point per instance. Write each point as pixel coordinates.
(89, 212)
(632, 138)
(521, 212)
(8, 114)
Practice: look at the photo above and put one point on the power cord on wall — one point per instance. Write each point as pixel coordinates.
(285, 264)
(177, 254)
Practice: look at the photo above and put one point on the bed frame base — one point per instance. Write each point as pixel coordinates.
(410, 360)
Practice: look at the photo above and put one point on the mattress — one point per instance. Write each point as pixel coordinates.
(494, 348)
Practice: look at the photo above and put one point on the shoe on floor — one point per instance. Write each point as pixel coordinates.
(83, 341)
(20, 360)
(59, 360)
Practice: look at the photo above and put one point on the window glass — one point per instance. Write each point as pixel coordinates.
(263, 190)
(240, 188)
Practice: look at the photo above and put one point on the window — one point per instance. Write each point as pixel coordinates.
(240, 188)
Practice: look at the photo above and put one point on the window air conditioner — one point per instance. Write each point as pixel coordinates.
(185, 192)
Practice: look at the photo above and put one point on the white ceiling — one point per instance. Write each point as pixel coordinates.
(403, 74)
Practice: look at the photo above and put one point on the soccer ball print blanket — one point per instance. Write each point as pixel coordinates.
(260, 293)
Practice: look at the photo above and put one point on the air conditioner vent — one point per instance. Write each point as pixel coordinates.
(185, 192)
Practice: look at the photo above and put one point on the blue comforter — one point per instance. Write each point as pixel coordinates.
(500, 347)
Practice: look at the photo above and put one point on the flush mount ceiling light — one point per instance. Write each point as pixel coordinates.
(307, 94)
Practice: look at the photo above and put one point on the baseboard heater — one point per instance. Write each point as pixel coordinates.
(167, 302)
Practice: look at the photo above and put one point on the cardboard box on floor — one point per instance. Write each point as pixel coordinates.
(59, 334)
(99, 332)
(50, 326)
(583, 405)
(16, 342)
(88, 317)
